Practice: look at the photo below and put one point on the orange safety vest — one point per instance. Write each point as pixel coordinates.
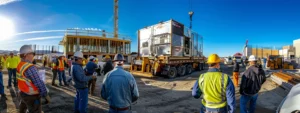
(61, 65)
(25, 85)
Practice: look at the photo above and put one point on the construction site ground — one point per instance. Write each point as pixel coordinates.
(157, 95)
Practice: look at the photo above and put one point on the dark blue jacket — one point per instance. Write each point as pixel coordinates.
(90, 68)
(79, 77)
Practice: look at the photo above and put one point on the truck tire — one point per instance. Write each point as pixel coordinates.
(199, 67)
(181, 70)
(172, 72)
(189, 69)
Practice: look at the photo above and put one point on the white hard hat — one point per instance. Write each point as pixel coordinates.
(78, 54)
(92, 57)
(252, 58)
(25, 49)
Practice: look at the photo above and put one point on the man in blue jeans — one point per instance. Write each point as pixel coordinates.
(216, 88)
(252, 80)
(61, 64)
(1, 82)
(81, 83)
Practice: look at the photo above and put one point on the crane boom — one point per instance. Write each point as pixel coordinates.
(116, 18)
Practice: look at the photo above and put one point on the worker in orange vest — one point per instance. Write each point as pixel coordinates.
(61, 64)
(31, 87)
(236, 69)
(54, 70)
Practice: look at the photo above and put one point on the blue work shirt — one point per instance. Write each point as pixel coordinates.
(230, 92)
(79, 77)
(90, 67)
(119, 88)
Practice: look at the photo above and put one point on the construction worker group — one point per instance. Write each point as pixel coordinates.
(218, 91)
(119, 87)
(83, 75)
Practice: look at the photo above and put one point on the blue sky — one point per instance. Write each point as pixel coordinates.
(224, 24)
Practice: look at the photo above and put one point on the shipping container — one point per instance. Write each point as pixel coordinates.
(168, 48)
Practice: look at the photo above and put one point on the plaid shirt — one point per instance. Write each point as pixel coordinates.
(32, 74)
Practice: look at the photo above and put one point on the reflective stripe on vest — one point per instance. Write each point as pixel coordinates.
(213, 85)
(61, 65)
(25, 84)
(53, 65)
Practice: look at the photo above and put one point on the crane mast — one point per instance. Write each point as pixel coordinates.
(116, 18)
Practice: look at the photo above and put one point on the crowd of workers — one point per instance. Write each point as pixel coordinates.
(119, 87)
(31, 88)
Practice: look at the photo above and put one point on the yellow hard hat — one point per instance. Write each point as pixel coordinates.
(107, 56)
(213, 58)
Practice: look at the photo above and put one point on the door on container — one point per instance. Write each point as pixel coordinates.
(187, 46)
(161, 44)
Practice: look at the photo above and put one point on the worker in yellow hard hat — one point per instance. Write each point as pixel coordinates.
(108, 66)
(216, 87)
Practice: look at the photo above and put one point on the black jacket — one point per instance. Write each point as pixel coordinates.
(236, 67)
(252, 80)
(108, 66)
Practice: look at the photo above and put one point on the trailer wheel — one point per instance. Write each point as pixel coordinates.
(189, 69)
(172, 72)
(199, 66)
(181, 70)
(202, 66)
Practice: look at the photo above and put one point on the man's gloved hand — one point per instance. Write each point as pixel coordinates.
(48, 99)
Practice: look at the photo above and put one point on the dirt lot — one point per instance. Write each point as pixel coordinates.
(158, 95)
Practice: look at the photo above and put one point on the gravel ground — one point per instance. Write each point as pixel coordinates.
(157, 95)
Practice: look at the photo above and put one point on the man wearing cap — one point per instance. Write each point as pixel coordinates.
(61, 64)
(119, 88)
(252, 80)
(216, 88)
(80, 83)
(90, 70)
(31, 87)
(12, 63)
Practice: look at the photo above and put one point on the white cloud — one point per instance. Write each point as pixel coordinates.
(41, 31)
(39, 38)
(5, 2)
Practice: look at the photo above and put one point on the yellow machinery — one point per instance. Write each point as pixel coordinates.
(275, 62)
(169, 49)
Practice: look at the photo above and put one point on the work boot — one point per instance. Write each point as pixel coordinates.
(61, 85)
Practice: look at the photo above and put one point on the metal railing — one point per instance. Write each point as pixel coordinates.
(80, 32)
